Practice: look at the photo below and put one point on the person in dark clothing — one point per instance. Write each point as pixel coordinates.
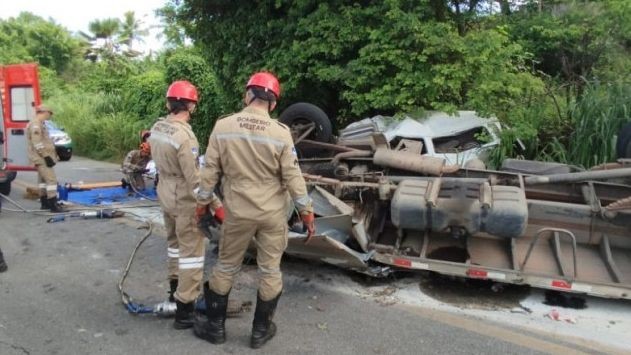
(3, 264)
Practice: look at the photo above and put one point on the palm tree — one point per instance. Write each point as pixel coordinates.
(102, 38)
(106, 28)
(131, 30)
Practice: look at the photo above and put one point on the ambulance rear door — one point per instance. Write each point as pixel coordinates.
(20, 95)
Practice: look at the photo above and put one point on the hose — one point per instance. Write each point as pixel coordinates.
(133, 187)
(161, 309)
(130, 305)
(127, 300)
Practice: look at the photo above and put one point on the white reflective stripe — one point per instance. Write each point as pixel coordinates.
(302, 202)
(417, 265)
(496, 275)
(251, 137)
(204, 195)
(42, 186)
(173, 250)
(191, 266)
(581, 287)
(160, 137)
(51, 187)
(191, 263)
(191, 260)
(173, 253)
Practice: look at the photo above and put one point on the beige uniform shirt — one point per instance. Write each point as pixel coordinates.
(40, 144)
(134, 162)
(256, 159)
(175, 151)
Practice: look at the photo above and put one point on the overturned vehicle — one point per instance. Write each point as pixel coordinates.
(382, 205)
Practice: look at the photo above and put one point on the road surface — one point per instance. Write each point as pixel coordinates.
(59, 296)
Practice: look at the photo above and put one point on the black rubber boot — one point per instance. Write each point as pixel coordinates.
(184, 315)
(3, 264)
(263, 329)
(44, 203)
(173, 288)
(213, 329)
(54, 205)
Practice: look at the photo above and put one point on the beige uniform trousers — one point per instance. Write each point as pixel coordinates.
(271, 241)
(136, 180)
(186, 247)
(186, 255)
(47, 181)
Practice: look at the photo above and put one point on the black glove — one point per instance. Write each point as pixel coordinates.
(49, 162)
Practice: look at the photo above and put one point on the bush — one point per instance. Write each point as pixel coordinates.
(98, 129)
(143, 95)
(189, 65)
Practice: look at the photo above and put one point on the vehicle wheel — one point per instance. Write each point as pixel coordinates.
(623, 145)
(64, 156)
(300, 116)
(5, 188)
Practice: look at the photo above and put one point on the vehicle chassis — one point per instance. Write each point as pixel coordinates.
(577, 237)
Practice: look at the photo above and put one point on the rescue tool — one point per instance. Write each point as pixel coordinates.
(100, 214)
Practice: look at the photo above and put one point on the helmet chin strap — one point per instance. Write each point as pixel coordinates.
(191, 111)
(255, 97)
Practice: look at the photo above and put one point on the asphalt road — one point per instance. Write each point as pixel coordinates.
(59, 296)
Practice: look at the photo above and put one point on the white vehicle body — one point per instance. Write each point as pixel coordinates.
(456, 138)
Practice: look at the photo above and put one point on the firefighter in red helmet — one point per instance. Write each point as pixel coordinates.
(254, 155)
(175, 151)
(135, 165)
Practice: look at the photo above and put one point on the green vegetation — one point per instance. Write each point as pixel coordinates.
(556, 72)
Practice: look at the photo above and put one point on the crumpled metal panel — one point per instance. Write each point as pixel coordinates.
(325, 204)
(328, 245)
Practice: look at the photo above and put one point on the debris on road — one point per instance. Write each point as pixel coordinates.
(556, 315)
(521, 310)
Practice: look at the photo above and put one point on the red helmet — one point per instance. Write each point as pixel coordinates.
(145, 147)
(182, 89)
(265, 80)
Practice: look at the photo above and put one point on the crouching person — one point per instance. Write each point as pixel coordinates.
(134, 166)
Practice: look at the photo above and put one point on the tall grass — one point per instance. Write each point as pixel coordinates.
(596, 119)
(580, 131)
(98, 127)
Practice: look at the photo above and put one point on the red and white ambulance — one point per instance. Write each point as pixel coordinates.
(19, 93)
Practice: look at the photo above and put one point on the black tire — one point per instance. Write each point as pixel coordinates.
(303, 112)
(623, 145)
(5, 188)
(64, 156)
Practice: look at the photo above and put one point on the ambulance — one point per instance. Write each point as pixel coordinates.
(19, 93)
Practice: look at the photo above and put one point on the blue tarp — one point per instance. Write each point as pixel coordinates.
(109, 195)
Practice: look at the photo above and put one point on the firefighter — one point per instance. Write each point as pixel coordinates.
(254, 155)
(3, 264)
(41, 151)
(135, 165)
(174, 149)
